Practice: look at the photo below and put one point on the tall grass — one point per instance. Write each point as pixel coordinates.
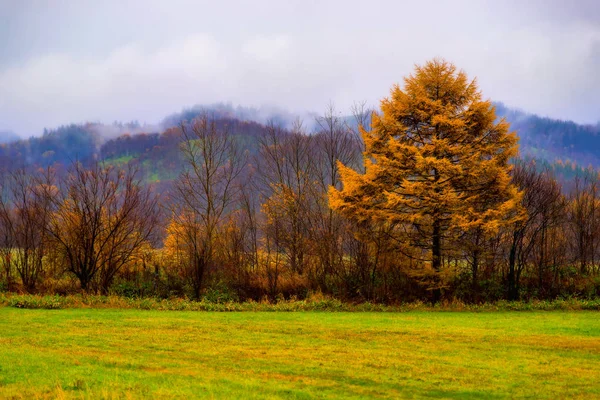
(316, 302)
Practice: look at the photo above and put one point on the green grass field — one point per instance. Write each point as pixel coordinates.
(91, 353)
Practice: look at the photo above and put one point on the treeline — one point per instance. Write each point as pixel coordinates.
(238, 225)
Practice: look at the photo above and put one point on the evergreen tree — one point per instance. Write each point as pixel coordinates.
(436, 166)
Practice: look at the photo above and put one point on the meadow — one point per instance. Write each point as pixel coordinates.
(132, 353)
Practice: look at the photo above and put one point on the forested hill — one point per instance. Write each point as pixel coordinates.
(563, 145)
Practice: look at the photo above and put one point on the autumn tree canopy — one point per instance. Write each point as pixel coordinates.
(436, 164)
(205, 194)
(102, 218)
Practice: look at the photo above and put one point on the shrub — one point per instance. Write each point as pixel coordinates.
(37, 302)
(219, 293)
(314, 302)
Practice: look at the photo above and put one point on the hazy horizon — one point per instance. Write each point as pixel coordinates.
(77, 61)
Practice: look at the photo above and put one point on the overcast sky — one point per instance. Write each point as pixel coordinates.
(75, 61)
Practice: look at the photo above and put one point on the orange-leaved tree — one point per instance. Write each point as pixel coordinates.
(436, 166)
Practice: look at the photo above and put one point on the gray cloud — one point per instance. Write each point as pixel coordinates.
(122, 60)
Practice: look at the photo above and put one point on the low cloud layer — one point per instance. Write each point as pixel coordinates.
(105, 61)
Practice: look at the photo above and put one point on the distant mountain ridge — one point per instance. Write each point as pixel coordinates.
(552, 139)
(564, 146)
(261, 115)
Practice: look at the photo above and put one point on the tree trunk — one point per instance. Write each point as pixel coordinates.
(199, 267)
(542, 262)
(512, 281)
(436, 250)
(475, 283)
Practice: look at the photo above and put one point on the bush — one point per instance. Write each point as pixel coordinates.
(37, 302)
(219, 293)
(125, 289)
(133, 289)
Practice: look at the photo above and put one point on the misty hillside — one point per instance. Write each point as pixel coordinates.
(563, 145)
(554, 141)
(8, 136)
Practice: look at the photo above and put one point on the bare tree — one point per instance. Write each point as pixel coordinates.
(23, 214)
(206, 193)
(6, 239)
(584, 215)
(102, 217)
(248, 226)
(542, 198)
(286, 168)
(362, 115)
(334, 142)
(551, 217)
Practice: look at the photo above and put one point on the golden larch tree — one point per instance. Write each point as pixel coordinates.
(436, 165)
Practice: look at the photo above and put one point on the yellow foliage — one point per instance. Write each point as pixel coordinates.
(436, 161)
(184, 234)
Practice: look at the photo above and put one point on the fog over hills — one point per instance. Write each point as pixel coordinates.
(76, 61)
(8, 136)
(565, 146)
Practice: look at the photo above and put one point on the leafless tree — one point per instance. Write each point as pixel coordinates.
(23, 214)
(286, 169)
(584, 219)
(102, 217)
(334, 142)
(542, 201)
(207, 192)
